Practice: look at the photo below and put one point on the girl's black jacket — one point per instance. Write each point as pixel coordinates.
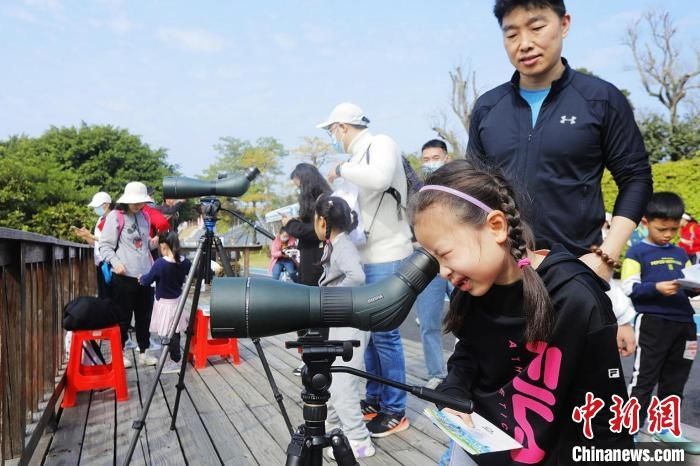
(310, 251)
(530, 391)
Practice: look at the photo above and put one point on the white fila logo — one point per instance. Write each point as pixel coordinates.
(571, 121)
(614, 373)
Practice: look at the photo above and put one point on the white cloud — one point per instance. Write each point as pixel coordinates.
(192, 39)
(21, 14)
(121, 24)
(604, 59)
(284, 41)
(52, 5)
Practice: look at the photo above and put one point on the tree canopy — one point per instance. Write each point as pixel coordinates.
(49, 180)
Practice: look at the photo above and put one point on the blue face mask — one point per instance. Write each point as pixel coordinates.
(100, 211)
(338, 145)
(430, 167)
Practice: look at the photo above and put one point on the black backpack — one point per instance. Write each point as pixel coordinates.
(90, 313)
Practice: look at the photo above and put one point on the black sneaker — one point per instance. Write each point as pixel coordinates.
(369, 410)
(386, 424)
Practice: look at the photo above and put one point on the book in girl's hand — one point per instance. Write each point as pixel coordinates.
(484, 437)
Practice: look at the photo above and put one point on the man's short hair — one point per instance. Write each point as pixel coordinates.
(502, 7)
(664, 206)
(437, 143)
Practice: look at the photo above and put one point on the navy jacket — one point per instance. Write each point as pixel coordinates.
(585, 125)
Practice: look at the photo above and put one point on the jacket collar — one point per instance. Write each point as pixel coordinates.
(557, 84)
(359, 145)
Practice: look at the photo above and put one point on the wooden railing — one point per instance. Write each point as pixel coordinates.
(38, 276)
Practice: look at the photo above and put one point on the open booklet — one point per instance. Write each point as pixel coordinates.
(484, 437)
(691, 277)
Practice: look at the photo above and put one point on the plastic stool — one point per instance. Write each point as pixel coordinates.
(80, 377)
(202, 346)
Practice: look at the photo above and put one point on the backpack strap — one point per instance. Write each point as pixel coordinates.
(120, 224)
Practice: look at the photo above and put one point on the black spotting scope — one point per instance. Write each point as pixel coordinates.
(260, 307)
(180, 187)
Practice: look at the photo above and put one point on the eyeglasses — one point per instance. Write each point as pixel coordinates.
(330, 129)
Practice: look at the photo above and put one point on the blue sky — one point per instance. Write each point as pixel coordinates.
(181, 74)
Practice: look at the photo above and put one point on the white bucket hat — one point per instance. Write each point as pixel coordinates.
(345, 113)
(100, 198)
(135, 193)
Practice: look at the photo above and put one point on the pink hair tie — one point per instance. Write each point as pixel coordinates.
(524, 262)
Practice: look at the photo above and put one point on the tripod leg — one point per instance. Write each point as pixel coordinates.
(258, 347)
(141, 421)
(204, 267)
(342, 451)
(297, 450)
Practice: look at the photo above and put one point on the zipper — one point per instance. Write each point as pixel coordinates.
(529, 136)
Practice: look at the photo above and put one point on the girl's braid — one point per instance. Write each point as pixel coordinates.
(518, 247)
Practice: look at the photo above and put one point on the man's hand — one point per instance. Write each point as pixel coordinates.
(626, 341)
(595, 263)
(668, 288)
(119, 269)
(464, 416)
(333, 174)
(285, 220)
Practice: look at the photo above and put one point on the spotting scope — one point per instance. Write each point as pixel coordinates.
(180, 187)
(260, 307)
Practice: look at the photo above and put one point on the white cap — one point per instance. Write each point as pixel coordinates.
(99, 199)
(135, 193)
(345, 113)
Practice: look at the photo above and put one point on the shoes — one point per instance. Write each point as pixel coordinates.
(171, 367)
(433, 383)
(666, 436)
(386, 424)
(297, 370)
(129, 344)
(127, 363)
(360, 448)
(146, 359)
(369, 410)
(154, 344)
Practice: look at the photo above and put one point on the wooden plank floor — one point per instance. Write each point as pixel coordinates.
(227, 415)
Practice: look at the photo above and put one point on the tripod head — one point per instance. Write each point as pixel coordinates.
(209, 207)
(318, 356)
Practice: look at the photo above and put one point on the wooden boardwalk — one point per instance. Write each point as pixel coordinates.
(227, 415)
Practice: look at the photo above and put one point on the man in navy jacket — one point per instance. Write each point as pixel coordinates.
(553, 130)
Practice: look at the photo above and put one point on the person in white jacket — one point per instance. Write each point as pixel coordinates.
(376, 169)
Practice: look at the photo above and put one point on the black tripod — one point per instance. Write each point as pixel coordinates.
(201, 267)
(307, 443)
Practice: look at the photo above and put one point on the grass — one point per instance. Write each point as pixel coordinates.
(260, 259)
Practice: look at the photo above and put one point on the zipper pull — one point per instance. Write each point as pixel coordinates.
(529, 137)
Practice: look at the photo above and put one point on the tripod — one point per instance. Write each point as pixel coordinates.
(210, 207)
(307, 443)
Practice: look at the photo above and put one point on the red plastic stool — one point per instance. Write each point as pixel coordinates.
(202, 346)
(80, 377)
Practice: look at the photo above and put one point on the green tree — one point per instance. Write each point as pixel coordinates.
(663, 144)
(236, 155)
(32, 183)
(49, 180)
(314, 150)
(106, 157)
